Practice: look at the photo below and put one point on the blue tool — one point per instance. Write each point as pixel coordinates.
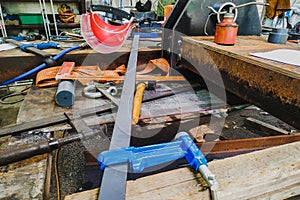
(146, 35)
(43, 65)
(43, 45)
(140, 158)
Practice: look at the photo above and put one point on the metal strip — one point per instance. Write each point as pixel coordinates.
(114, 179)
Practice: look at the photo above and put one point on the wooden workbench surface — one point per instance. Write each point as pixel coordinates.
(15, 62)
(144, 45)
(250, 44)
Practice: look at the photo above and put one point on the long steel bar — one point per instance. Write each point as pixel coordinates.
(114, 179)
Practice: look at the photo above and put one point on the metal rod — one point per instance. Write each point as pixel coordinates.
(44, 20)
(48, 177)
(43, 146)
(248, 4)
(251, 3)
(3, 29)
(54, 18)
(47, 20)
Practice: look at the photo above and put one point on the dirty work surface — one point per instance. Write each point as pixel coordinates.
(71, 158)
(9, 112)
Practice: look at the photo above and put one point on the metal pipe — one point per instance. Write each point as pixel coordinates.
(248, 4)
(44, 20)
(47, 20)
(38, 148)
(48, 177)
(3, 29)
(54, 18)
(252, 3)
(65, 94)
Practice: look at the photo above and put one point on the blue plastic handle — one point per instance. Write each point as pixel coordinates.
(43, 45)
(140, 158)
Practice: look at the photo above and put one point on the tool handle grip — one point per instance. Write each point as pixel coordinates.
(140, 158)
(137, 102)
(46, 45)
(23, 152)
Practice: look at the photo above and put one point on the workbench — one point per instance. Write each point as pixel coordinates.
(15, 62)
(262, 82)
(271, 85)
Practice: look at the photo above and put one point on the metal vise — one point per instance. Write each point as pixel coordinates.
(140, 158)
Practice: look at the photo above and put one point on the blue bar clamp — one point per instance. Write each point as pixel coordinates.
(140, 158)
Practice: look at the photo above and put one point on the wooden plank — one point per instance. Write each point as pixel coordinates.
(15, 62)
(259, 173)
(272, 173)
(90, 194)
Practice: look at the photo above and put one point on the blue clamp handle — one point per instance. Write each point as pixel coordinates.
(140, 158)
(43, 45)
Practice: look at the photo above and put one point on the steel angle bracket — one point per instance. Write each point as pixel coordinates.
(114, 179)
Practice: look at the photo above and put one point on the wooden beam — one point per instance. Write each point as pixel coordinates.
(268, 173)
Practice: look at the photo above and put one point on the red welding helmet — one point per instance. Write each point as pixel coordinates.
(111, 35)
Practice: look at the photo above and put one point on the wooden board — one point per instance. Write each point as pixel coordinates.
(272, 173)
(15, 62)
